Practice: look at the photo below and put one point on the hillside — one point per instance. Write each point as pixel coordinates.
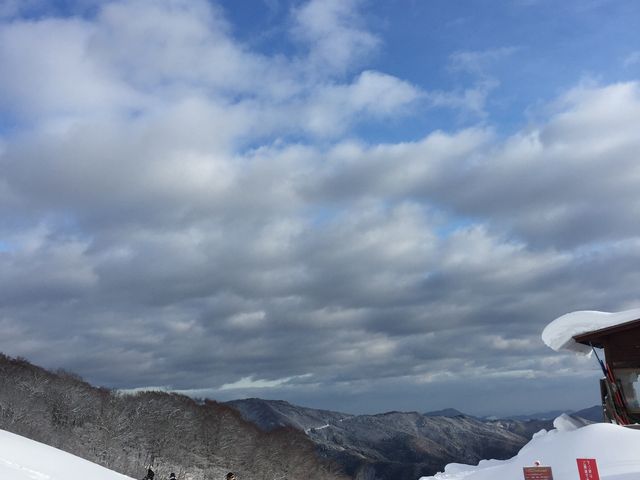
(126, 432)
(395, 444)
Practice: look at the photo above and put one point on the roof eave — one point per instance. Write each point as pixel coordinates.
(596, 337)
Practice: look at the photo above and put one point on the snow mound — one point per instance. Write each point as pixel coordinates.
(24, 459)
(559, 334)
(615, 448)
(565, 423)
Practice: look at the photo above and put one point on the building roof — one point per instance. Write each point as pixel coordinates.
(598, 338)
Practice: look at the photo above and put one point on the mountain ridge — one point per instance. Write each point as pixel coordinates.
(396, 444)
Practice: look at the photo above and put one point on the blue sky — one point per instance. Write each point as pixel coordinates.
(532, 50)
(352, 205)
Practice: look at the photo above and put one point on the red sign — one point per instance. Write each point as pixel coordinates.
(588, 469)
(537, 473)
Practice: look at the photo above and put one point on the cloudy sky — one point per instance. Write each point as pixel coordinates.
(357, 205)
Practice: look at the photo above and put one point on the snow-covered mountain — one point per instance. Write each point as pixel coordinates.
(24, 459)
(445, 412)
(615, 449)
(272, 414)
(395, 444)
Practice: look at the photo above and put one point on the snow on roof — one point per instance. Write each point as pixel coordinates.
(614, 447)
(559, 334)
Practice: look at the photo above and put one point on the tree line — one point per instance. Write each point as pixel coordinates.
(198, 440)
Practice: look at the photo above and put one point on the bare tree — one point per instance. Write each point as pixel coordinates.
(201, 440)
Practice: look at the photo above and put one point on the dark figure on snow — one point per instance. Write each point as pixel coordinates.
(231, 476)
(172, 476)
(149, 475)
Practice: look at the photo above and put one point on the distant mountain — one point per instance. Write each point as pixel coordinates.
(395, 445)
(447, 412)
(550, 415)
(593, 414)
(271, 414)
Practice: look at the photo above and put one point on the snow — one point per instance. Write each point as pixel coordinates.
(24, 459)
(615, 449)
(313, 429)
(559, 334)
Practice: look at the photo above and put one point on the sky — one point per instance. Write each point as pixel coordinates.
(354, 205)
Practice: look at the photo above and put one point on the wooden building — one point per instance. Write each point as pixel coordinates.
(620, 389)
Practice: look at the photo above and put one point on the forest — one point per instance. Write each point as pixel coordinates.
(198, 440)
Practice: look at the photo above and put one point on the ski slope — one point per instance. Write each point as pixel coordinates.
(24, 459)
(615, 448)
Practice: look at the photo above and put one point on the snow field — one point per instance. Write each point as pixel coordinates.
(24, 459)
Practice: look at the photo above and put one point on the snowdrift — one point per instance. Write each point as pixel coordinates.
(615, 448)
(559, 334)
(24, 459)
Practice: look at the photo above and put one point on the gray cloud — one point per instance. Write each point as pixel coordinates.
(158, 228)
(569, 181)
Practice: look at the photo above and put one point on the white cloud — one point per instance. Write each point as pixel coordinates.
(580, 167)
(333, 31)
(372, 95)
(469, 100)
(479, 65)
(174, 46)
(381, 94)
(479, 62)
(49, 71)
(250, 383)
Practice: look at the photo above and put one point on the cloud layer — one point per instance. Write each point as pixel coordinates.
(181, 210)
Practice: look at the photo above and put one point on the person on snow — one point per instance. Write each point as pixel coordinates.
(231, 476)
(149, 475)
(172, 476)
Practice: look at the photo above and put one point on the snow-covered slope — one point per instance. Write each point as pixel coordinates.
(615, 448)
(24, 459)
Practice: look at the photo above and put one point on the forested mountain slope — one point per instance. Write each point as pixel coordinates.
(126, 432)
(395, 445)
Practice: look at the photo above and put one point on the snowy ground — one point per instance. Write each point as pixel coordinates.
(24, 459)
(615, 448)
